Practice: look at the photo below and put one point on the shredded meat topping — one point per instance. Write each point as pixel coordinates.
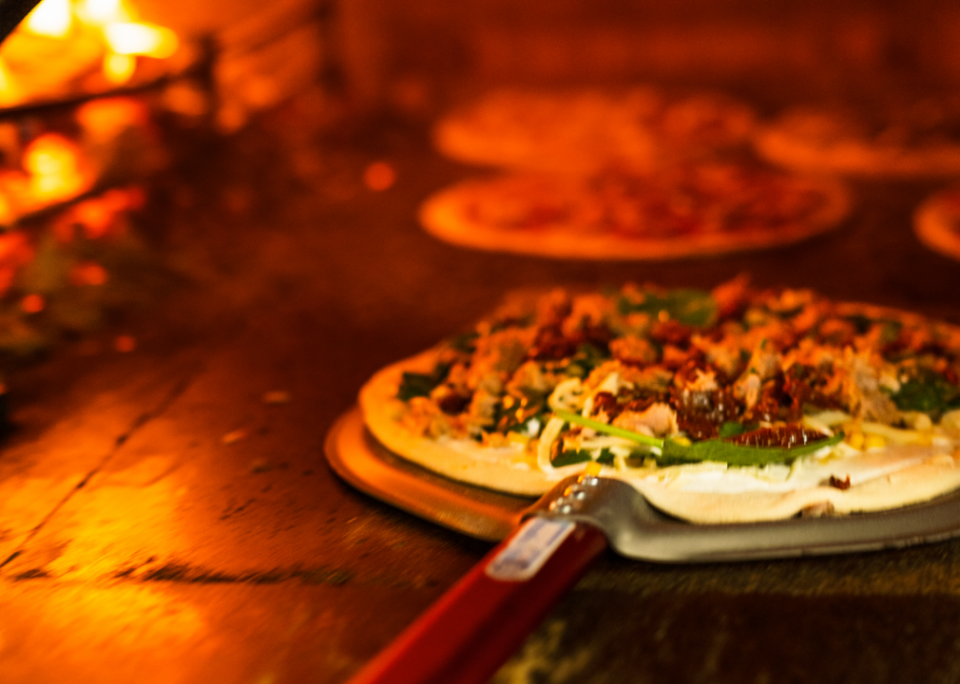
(689, 363)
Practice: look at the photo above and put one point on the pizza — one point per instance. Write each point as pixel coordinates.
(904, 140)
(688, 210)
(731, 405)
(937, 222)
(579, 130)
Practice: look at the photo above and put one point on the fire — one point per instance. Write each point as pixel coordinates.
(55, 169)
(69, 29)
(130, 38)
(99, 217)
(100, 12)
(119, 69)
(51, 18)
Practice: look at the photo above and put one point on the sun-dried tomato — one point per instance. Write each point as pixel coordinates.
(598, 335)
(838, 483)
(700, 413)
(783, 436)
(551, 344)
(697, 426)
(804, 386)
(672, 332)
(605, 402)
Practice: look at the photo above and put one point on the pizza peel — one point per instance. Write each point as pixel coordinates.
(546, 545)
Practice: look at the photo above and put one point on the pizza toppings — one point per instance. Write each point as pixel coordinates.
(759, 447)
(645, 377)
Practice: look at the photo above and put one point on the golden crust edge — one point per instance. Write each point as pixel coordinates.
(378, 404)
(932, 227)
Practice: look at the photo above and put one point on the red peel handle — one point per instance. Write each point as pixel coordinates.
(480, 622)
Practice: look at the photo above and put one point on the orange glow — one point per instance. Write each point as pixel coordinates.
(7, 89)
(15, 251)
(63, 43)
(14, 248)
(51, 18)
(6, 211)
(111, 115)
(379, 176)
(145, 618)
(88, 273)
(32, 303)
(129, 38)
(125, 343)
(97, 217)
(94, 216)
(54, 166)
(118, 69)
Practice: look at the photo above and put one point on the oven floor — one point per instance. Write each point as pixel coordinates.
(166, 514)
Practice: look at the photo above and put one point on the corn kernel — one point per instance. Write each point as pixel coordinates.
(494, 440)
(681, 440)
(874, 441)
(517, 438)
(851, 427)
(855, 439)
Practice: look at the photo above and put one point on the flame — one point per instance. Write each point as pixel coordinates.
(131, 38)
(100, 12)
(101, 32)
(119, 68)
(98, 217)
(54, 166)
(52, 18)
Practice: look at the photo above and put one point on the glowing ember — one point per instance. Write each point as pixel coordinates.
(15, 251)
(110, 116)
(55, 169)
(118, 69)
(32, 303)
(379, 176)
(88, 273)
(125, 343)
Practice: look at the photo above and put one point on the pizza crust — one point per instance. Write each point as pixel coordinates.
(820, 141)
(507, 470)
(466, 214)
(937, 222)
